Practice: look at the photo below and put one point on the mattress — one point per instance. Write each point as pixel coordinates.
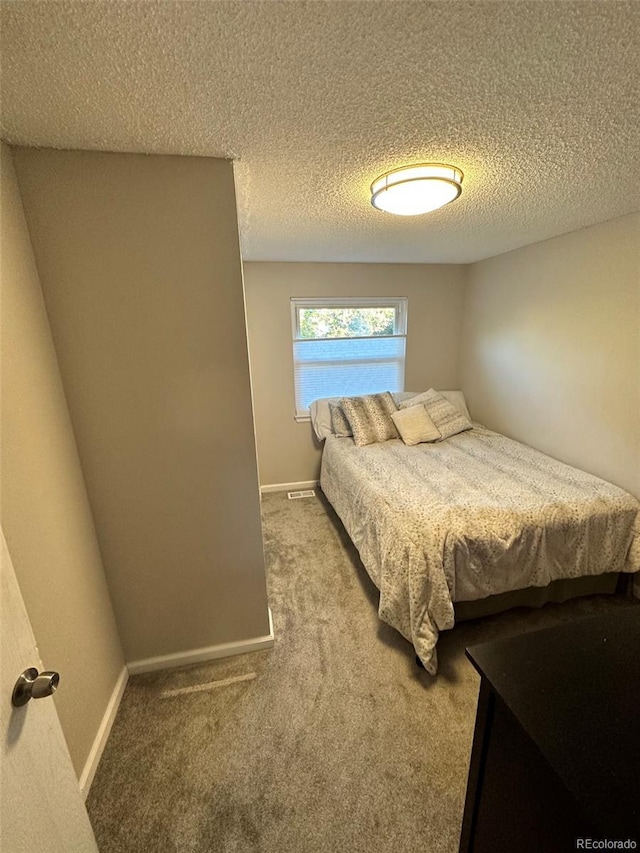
(474, 516)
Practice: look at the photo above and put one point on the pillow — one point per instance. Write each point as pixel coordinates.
(401, 396)
(370, 417)
(339, 423)
(414, 425)
(456, 398)
(417, 399)
(448, 419)
(320, 415)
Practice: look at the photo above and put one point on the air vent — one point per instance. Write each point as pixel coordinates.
(306, 493)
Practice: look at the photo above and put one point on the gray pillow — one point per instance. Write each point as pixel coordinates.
(370, 417)
(339, 422)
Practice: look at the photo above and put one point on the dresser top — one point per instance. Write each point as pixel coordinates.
(575, 690)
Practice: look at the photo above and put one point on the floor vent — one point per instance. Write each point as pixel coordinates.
(305, 493)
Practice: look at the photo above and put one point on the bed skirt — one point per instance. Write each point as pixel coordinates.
(557, 591)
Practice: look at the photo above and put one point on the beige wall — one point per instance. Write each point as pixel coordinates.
(288, 451)
(551, 347)
(140, 267)
(45, 512)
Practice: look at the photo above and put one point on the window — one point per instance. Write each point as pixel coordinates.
(344, 347)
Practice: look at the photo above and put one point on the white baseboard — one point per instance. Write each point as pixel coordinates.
(91, 764)
(148, 665)
(289, 487)
(223, 650)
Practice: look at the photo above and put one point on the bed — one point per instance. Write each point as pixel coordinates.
(474, 518)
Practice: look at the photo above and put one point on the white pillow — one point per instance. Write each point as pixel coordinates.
(449, 419)
(320, 415)
(401, 396)
(456, 398)
(414, 425)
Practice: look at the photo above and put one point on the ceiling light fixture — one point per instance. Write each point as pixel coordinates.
(412, 190)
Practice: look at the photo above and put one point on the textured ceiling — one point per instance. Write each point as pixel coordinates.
(537, 102)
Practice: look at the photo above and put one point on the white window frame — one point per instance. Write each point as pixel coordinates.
(398, 303)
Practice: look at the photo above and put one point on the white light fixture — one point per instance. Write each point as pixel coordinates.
(411, 190)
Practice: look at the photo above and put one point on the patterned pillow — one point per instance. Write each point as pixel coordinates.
(415, 426)
(370, 417)
(456, 398)
(448, 419)
(417, 399)
(339, 423)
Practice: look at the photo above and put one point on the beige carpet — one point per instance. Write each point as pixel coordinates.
(333, 742)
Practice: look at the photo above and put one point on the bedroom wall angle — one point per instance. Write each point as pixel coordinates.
(551, 347)
(140, 267)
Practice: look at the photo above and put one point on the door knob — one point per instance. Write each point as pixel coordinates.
(32, 684)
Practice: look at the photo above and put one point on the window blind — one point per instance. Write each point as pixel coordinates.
(343, 367)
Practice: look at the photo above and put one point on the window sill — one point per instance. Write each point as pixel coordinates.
(301, 419)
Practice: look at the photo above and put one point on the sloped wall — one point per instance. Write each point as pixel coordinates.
(46, 517)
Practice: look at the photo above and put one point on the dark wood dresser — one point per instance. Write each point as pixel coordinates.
(556, 749)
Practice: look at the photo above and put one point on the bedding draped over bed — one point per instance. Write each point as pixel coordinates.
(473, 516)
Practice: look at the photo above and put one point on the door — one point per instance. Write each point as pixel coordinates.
(40, 804)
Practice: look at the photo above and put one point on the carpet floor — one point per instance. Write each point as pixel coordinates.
(334, 741)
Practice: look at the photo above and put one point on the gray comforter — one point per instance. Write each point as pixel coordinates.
(475, 515)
